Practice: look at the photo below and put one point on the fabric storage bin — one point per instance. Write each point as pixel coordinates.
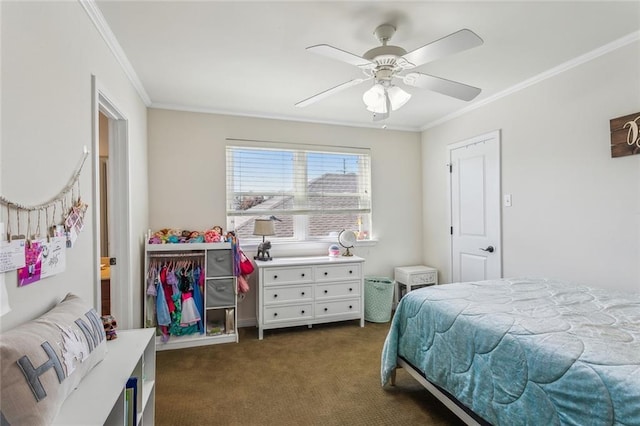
(221, 293)
(219, 263)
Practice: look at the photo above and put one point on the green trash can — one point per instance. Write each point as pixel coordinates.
(378, 299)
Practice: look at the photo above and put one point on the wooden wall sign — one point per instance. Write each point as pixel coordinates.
(625, 135)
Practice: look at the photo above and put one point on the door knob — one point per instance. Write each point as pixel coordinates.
(490, 249)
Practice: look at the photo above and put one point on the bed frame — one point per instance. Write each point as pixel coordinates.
(446, 399)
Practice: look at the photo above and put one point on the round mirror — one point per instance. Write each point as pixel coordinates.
(347, 239)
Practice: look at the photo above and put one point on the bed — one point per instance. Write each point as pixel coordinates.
(522, 351)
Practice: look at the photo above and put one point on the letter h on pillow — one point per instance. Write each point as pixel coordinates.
(44, 360)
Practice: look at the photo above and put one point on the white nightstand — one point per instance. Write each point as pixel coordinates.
(411, 277)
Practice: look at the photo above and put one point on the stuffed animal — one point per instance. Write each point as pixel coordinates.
(110, 326)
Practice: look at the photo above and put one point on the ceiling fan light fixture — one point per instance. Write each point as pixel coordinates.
(398, 97)
(376, 98)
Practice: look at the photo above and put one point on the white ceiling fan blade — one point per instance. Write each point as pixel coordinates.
(328, 92)
(341, 55)
(441, 85)
(453, 43)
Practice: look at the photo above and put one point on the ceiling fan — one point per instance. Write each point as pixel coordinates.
(385, 63)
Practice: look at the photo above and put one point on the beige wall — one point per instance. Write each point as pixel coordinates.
(49, 52)
(187, 180)
(576, 210)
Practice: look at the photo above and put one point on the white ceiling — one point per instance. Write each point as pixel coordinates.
(249, 58)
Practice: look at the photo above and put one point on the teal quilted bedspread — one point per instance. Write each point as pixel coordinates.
(525, 351)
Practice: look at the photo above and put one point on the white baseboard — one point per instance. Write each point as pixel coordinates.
(247, 322)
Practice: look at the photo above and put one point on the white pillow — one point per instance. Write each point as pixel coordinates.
(44, 360)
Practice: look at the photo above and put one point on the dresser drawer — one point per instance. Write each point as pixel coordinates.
(296, 275)
(343, 289)
(337, 307)
(287, 313)
(337, 272)
(289, 293)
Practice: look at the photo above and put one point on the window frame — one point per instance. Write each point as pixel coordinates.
(301, 232)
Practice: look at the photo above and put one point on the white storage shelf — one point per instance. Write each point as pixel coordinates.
(219, 277)
(99, 399)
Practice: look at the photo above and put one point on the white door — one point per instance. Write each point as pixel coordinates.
(476, 249)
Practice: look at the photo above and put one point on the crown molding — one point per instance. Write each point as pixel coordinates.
(177, 107)
(91, 8)
(589, 56)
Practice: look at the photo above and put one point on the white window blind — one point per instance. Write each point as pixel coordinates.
(330, 189)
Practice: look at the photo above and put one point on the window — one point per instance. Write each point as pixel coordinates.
(313, 193)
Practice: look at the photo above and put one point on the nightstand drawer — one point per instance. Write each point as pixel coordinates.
(299, 275)
(337, 272)
(424, 278)
(416, 275)
(288, 293)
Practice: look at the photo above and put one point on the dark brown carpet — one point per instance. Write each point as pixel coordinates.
(327, 375)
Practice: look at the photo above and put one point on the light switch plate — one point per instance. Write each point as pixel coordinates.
(507, 200)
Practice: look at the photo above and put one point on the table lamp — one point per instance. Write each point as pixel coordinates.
(263, 227)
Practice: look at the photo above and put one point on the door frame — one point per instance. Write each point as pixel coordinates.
(119, 208)
(467, 142)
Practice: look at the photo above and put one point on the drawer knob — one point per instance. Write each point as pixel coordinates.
(326, 309)
(275, 314)
(302, 312)
(350, 289)
(351, 272)
(326, 291)
(275, 295)
(275, 277)
(326, 273)
(302, 293)
(303, 275)
(350, 307)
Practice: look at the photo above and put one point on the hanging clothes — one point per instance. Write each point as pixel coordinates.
(179, 304)
(197, 297)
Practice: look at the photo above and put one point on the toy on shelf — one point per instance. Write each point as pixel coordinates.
(179, 236)
(110, 326)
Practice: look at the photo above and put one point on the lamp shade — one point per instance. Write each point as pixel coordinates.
(263, 227)
(376, 98)
(397, 96)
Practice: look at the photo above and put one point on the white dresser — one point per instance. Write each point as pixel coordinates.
(296, 291)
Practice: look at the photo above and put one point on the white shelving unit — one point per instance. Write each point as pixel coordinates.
(100, 397)
(219, 293)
